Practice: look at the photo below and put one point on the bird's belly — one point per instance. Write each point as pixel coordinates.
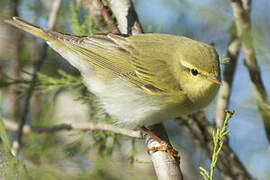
(133, 108)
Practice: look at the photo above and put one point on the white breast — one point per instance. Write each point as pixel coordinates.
(130, 107)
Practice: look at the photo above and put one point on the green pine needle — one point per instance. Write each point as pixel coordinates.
(47, 84)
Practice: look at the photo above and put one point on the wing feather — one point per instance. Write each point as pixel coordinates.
(123, 56)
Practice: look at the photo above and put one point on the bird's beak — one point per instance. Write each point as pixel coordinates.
(215, 79)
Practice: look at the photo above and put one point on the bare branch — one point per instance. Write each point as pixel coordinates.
(165, 165)
(107, 17)
(12, 126)
(241, 12)
(128, 22)
(228, 74)
(37, 65)
(228, 164)
(53, 13)
(93, 8)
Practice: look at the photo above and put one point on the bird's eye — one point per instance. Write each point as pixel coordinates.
(194, 72)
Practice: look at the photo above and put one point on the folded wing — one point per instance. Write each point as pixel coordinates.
(142, 59)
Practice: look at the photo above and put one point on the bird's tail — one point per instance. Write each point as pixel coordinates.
(30, 28)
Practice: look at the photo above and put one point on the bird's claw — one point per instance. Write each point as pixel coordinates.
(167, 148)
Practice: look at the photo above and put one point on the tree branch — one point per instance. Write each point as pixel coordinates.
(93, 8)
(224, 93)
(27, 129)
(128, 22)
(241, 11)
(107, 17)
(166, 167)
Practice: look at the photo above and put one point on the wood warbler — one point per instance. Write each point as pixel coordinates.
(141, 79)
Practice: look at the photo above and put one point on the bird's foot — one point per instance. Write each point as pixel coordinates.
(163, 147)
(166, 148)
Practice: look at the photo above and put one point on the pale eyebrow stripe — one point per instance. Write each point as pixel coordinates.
(190, 66)
(187, 65)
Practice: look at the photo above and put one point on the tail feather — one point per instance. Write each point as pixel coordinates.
(30, 28)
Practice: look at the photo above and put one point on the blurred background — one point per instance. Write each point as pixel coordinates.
(60, 98)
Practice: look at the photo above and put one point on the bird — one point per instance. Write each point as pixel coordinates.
(141, 79)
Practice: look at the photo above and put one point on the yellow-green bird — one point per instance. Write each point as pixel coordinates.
(141, 79)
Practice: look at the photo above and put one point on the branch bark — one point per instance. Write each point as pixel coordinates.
(27, 129)
(224, 93)
(128, 22)
(107, 17)
(37, 66)
(241, 12)
(166, 167)
(93, 8)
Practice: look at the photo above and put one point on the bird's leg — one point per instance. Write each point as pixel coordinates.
(164, 145)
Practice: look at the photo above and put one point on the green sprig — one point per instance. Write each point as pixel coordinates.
(48, 84)
(218, 138)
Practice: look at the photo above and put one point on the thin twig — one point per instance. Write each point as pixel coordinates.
(12, 126)
(107, 17)
(37, 66)
(93, 8)
(241, 11)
